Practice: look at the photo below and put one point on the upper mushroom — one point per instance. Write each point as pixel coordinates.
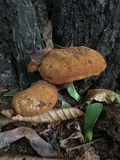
(70, 64)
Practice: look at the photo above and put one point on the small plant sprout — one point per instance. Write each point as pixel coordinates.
(73, 93)
(65, 104)
(11, 93)
(92, 113)
(58, 46)
(117, 97)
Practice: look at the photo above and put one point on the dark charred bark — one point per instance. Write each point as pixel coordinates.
(21, 23)
(95, 24)
(92, 23)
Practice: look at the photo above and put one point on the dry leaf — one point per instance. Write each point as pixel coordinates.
(53, 115)
(75, 124)
(47, 36)
(9, 113)
(100, 95)
(40, 146)
(5, 121)
(24, 157)
(38, 56)
(89, 154)
(47, 31)
(76, 134)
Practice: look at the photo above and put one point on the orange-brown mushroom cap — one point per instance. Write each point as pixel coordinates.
(37, 99)
(71, 64)
(32, 67)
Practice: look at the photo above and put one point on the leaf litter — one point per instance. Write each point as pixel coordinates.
(100, 95)
(43, 148)
(24, 157)
(53, 115)
(75, 135)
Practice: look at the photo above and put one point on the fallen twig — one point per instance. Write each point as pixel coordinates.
(84, 144)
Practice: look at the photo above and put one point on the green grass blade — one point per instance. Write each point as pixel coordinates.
(73, 93)
(92, 113)
(58, 46)
(117, 97)
(10, 94)
(65, 104)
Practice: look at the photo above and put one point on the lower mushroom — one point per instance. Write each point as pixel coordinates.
(37, 99)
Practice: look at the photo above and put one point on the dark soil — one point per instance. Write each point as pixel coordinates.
(107, 131)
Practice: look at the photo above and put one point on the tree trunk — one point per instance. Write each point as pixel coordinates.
(21, 23)
(92, 23)
(95, 24)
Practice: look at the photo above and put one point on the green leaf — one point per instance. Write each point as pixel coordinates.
(11, 93)
(117, 97)
(58, 46)
(92, 113)
(65, 104)
(73, 93)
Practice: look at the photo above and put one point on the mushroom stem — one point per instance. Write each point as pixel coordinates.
(32, 67)
(63, 86)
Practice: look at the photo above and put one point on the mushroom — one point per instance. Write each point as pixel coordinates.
(63, 66)
(32, 67)
(37, 99)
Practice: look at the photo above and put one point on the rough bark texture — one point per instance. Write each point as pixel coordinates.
(92, 23)
(21, 23)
